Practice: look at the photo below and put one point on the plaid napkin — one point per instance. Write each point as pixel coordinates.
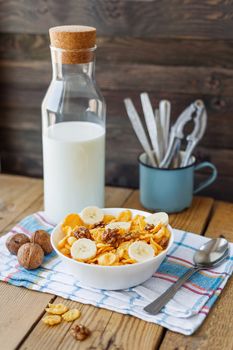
(183, 314)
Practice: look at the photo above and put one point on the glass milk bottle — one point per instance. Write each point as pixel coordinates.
(73, 125)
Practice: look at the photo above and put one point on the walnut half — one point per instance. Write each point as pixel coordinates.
(80, 332)
(82, 232)
(112, 237)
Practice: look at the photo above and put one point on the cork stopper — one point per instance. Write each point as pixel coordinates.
(77, 40)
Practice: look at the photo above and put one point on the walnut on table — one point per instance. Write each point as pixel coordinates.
(80, 332)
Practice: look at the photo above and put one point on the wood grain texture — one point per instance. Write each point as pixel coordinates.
(20, 109)
(199, 80)
(167, 18)
(16, 195)
(14, 303)
(223, 188)
(111, 330)
(20, 116)
(166, 52)
(216, 331)
(178, 50)
(50, 337)
(14, 207)
(20, 196)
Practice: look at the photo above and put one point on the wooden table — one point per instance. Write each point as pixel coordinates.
(21, 310)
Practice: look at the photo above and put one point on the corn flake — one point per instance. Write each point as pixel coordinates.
(72, 220)
(138, 223)
(125, 215)
(51, 320)
(56, 309)
(65, 251)
(71, 240)
(71, 315)
(108, 218)
(112, 253)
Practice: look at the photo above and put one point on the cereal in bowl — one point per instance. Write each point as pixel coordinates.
(107, 240)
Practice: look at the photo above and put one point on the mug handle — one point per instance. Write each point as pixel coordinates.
(210, 180)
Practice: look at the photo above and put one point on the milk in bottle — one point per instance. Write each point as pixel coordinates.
(73, 123)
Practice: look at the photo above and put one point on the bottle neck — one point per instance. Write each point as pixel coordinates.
(70, 63)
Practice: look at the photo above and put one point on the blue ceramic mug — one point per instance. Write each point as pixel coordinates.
(170, 190)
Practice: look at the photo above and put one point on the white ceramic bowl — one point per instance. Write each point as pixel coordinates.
(111, 277)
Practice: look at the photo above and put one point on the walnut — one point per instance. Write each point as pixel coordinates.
(42, 238)
(30, 256)
(80, 332)
(14, 242)
(99, 225)
(164, 242)
(82, 232)
(149, 227)
(130, 235)
(112, 237)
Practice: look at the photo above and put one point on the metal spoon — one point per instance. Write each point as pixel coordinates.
(210, 254)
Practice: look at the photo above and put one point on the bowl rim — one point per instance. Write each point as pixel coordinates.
(164, 252)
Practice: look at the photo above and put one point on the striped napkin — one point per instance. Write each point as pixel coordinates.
(183, 314)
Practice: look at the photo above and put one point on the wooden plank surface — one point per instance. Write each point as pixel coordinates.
(173, 18)
(24, 196)
(205, 80)
(20, 309)
(166, 52)
(16, 195)
(117, 331)
(176, 49)
(20, 139)
(12, 194)
(23, 329)
(15, 128)
(216, 332)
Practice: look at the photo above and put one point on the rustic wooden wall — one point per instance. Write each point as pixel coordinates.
(175, 49)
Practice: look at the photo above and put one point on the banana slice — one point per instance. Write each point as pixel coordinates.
(92, 215)
(140, 251)
(157, 218)
(83, 249)
(119, 225)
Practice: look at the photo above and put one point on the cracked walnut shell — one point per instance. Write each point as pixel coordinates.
(80, 332)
